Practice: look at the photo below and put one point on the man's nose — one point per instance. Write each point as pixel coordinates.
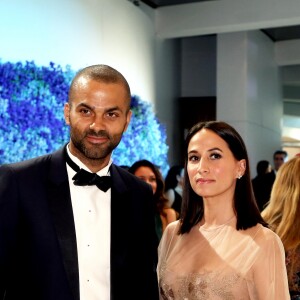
(97, 124)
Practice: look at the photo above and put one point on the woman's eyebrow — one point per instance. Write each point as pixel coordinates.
(215, 149)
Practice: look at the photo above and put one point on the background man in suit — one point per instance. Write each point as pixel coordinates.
(65, 232)
(266, 181)
(258, 183)
(279, 158)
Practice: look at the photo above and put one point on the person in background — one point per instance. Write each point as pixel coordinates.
(173, 187)
(263, 167)
(283, 215)
(279, 158)
(73, 225)
(148, 172)
(220, 248)
(267, 180)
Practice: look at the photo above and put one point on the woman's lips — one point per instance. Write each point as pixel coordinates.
(204, 180)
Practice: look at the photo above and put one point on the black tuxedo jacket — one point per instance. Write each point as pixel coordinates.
(38, 251)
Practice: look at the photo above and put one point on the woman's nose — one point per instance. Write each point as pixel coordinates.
(203, 166)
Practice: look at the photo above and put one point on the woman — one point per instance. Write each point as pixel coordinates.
(282, 214)
(173, 187)
(220, 247)
(147, 172)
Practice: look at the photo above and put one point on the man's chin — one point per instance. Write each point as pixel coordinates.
(96, 154)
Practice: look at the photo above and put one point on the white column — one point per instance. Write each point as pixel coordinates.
(249, 91)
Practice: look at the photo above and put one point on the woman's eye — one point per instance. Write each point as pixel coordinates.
(193, 158)
(215, 156)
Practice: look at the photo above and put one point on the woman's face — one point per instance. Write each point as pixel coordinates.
(146, 174)
(212, 168)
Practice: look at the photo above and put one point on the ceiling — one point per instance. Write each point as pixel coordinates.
(276, 34)
(159, 3)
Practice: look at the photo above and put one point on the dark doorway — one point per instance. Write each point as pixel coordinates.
(193, 110)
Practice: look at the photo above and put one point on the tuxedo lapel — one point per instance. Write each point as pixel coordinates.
(61, 208)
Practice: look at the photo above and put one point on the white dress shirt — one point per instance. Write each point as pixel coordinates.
(92, 214)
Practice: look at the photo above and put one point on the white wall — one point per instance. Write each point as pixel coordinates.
(167, 92)
(80, 33)
(210, 17)
(248, 92)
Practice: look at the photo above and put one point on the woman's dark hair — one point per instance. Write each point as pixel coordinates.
(245, 206)
(160, 199)
(171, 178)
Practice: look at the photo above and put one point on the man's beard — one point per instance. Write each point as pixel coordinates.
(95, 151)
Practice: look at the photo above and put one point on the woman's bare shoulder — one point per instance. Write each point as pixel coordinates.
(171, 213)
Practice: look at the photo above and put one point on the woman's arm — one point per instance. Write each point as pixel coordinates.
(169, 218)
(269, 270)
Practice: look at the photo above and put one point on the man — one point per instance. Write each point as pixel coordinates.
(279, 158)
(65, 236)
(267, 180)
(258, 183)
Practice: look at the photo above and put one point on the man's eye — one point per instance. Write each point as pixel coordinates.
(85, 111)
(112, 114)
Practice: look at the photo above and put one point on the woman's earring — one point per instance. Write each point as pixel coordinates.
(240, 176)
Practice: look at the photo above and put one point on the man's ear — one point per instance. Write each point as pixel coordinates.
(67, 113)
(128, 118)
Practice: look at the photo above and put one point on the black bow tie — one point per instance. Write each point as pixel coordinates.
(83, 177)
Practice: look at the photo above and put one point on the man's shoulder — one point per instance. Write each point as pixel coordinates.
(269, 177)
(128, 179)
(32, 163)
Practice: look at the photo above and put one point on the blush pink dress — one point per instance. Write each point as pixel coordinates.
(222, 263)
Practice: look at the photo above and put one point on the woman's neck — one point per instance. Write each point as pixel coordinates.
(217, 212)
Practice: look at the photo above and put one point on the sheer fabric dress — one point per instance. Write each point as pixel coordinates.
(222, 263)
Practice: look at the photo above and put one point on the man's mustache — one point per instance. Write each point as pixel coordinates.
(100, 133)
